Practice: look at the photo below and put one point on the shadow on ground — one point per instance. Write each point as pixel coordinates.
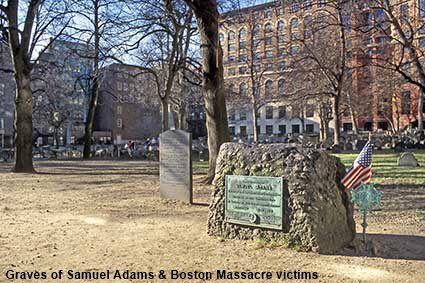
(391, 246)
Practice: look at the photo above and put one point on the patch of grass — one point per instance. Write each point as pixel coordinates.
(386, 172)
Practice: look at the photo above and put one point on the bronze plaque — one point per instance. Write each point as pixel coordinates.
(254, 201)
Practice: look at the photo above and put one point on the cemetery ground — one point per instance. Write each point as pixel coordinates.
(100, 215)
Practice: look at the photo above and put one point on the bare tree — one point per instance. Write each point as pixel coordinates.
(24, 35)
(207, 18)
(321, 49)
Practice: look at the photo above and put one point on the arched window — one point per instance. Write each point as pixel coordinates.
(281, 26)
(280, 87)
(268, 27)
(231, 35)
(221, 38)
(242, 34)
(269, 88)
(294, 23)
(256, 30)
(242, 89)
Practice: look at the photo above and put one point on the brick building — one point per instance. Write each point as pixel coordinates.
(7, 94)
(128, 107)
(255, 41)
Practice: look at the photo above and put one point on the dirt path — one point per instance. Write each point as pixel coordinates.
(99, 215)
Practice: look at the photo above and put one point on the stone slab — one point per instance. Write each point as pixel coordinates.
(407, 159)
(175, 170)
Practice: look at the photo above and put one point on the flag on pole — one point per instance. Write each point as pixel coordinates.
(361, 171)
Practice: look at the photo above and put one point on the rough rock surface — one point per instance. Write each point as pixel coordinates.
(318, 210)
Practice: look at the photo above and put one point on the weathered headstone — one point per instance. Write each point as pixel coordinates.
(317, 214)
(360, 144)
(176, 165)
(348, 146)
(407, 159)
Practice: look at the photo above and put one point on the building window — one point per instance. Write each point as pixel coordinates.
(242, 89)
(231, 115)
(269, 129)
(232, 71)
(404, 13)
(307, 4)
(256, 56)
(282, 66)
(293, 8)
(119, 123)
(268, 27)
(119, 86)
(268, 14)
(242, 45)
(422, 42)
(280, 11)
(231, 47)
(309, 111)
(268, 40)
(281, 26)
(280, 87)
(256, 31)
(309, 128)
(221, 38)
(242, 70)
(405, 102)
(232, 130)
(231, 58)
(269, 88)
(268, 54)
(294, 50)
(268, 67)
(269, 112)
(282, 112)
(257, 67)
(295, 129)
(242, 116)
(281, 52)
(282, 130)
(242, 34)
(119, 109)
(242, 131)
(322, 3)
(294, 23)
(421, 9)
(232, 36)
(281, 38)
(242, 58)
(294, 36)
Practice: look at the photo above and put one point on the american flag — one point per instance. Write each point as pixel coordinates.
(361, 171)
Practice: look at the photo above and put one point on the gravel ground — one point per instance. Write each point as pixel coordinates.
(95, 216)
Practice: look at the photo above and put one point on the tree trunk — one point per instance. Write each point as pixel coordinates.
(420, 106)
(95, 88)
(255, 123)
(164, 115)
(207, 18)
(335, 116)
(23, 123)
(90, 119)
(56, 134)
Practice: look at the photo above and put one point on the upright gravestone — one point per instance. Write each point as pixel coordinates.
(408, 159)
(175, 171)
